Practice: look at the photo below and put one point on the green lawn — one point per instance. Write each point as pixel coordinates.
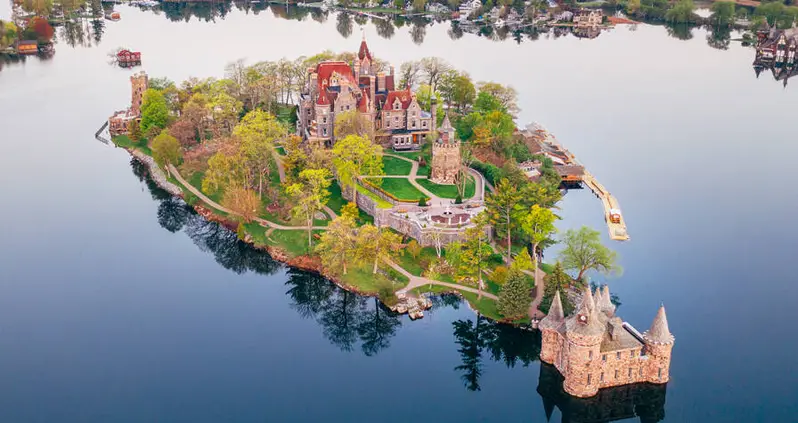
(448, 191)
(125, 142)
(394, 166)
(400, 188)
(293, 242)
(417, 266)
(196, 181)
(286, 113)
(337, 201)
(546, 267)
(413, 155)
(363, 278)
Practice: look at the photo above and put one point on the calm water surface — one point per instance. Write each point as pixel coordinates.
(119, 304)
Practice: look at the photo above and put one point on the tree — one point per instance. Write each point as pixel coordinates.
(486, 103)
(499, 275)
(223, 171)
(558, 280)
(310, 195)
(681, 12)
(632, 6)
(514, 298)
(338, 244)
(501, 207)
(523, 261)
(409, 71)
(583, 251)
(506, 96)
(354, 156)
(154, 110)
(375, 244)
(134, 130)
(8, 33)
(295, 158)
(257, 132)
(413, 248)
(166, 150)
(436, 235)
(350, 209)
(243, 202)
(722, 13)
(353, 122)
(476, 250)
(44, 32)
(462, 92)
(433, 67)
(537, 223)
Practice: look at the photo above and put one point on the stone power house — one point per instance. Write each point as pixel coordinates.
(594, 349)
(336, 87)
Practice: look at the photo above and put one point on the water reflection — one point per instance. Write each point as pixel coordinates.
(643, 400)
(480, 337)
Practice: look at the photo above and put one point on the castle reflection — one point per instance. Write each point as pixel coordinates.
(645, 401)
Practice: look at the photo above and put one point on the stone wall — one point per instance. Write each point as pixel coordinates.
(445, 162)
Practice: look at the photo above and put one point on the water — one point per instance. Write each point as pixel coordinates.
(118, 304)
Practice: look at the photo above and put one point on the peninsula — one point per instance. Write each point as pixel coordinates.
(389, 183)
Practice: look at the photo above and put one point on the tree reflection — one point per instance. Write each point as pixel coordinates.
(719, 37)
(385, 28)
(345, 318)
(344, 25)
(680, 31)
(418, 32)
(501, 342)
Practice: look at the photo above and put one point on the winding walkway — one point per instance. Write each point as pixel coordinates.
(418, 281)
(479, 180)
(208, 201)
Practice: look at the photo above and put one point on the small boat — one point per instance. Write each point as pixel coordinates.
(113, 16)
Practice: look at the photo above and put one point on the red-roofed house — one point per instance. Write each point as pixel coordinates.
(337, 87)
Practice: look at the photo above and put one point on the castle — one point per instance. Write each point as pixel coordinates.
(445, 155)
(118, 123)
(594, 349)
(335, 87)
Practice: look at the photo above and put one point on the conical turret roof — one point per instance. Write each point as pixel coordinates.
(556, 314)
(585, 321)
(588, 301)
(659, 331)
(604, 302)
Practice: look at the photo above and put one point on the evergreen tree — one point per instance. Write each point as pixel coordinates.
(514, 298)
(558, 280)
(523, 261)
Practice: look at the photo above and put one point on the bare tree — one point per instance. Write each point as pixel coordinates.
(433, 67)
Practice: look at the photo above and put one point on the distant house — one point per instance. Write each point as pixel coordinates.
(27, 47)
(127, 58)
(438, 8)
(564, 16)
(780, 46)
(468, 7)
(588, 18)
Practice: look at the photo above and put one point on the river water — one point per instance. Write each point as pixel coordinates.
(119, 304)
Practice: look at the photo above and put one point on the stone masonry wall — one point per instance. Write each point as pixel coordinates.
(616, 367)
(579, 355)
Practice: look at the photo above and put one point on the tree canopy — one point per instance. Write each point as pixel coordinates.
(514, 297)
(154, 110)
(583, 251)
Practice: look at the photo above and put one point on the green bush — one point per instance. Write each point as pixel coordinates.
(499, 275)
(422, 202)
(458, 200)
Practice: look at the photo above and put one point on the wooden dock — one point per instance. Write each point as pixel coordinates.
(617, 230)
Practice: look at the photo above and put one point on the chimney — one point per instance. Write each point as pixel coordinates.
(381, 80)
(372, 90)
(392, 69)
(432, 110)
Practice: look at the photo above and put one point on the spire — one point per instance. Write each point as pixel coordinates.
(605, 300)
(555, 316)
(659, 331)
(364, 49)
(587, 300)
(556, 310)
(323, 100)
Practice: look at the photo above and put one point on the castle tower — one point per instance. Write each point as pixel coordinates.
(324, 119)
(446, 129)
(581, 361)
(659, 343)
(364, 56)
(138, 84)
(549, 327)
(445, 161)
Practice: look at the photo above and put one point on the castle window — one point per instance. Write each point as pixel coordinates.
(588, 379)
(604, 357)
(590, 355)
(616, 374)
(659, 373)
(630, 372)
(413, 124)
(632, 353)
(640, 372)
(424, 124)
(347, 107)
(618, 355)
(601, 378)
(324, 132)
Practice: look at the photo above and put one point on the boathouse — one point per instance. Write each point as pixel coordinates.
(27, 47)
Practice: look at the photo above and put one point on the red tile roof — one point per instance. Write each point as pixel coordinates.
(405, 96)
(323, 100)
(363, 104)
(326, 69)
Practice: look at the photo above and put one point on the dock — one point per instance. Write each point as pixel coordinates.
(617, 230)
(574, 175)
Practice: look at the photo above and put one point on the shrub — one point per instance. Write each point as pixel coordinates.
(458, 199)
(422, 202)
(499, 275)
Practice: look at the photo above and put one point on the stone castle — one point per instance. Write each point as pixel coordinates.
(445, 155)
(595, 349)
(118, 123)
(335, 87)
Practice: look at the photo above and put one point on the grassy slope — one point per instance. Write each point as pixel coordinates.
(400, 188)
(394, 166)
(448, 191)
